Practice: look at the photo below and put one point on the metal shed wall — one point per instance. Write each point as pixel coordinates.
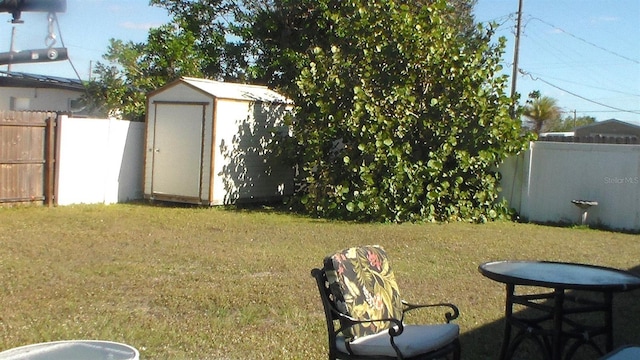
(244, 168)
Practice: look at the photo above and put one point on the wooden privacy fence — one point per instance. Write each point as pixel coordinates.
(27, 157)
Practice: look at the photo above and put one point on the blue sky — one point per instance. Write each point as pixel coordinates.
(85, 28)
(584, 53)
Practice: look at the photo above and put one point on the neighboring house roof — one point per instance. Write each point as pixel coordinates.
(610, 131)
(18, 79)
(227, 90)
(611, 127)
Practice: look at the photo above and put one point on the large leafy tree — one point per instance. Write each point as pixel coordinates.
(216, 27)
(401, 111)
(569, 123)
(400, 117)
(278, 33)
(134, 69)
(258, 41)
(198, 41)
(202, 39)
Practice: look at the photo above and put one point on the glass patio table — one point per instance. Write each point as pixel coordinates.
(72, 350)
(628, 352)
(555, 331)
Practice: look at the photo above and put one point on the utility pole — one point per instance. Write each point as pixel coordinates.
(514, 75)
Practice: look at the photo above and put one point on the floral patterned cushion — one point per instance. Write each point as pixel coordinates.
(364, 287)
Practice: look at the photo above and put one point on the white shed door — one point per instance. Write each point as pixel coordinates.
(177, 153)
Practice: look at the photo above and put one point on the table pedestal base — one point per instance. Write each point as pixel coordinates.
(556, 323)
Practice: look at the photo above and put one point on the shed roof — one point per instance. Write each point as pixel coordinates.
(227, 90)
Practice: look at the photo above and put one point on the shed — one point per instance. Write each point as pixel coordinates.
(211, 143)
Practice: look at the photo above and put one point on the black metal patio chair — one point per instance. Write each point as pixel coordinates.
(365, 315)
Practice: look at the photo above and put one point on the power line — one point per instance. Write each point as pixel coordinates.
(587, 41)
(574, 94)
(606, 111)
(500, 20)
(589, 86)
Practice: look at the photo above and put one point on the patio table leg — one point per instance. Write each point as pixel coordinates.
(558, 316)
(508, 313)
(608, 320)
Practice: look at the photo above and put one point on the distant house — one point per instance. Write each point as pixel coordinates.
(611, 129)
(608, 131)
(31, 92)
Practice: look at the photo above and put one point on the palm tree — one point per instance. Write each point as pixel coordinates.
(541, 109)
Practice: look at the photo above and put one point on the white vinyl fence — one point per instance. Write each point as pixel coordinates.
(541, 183)
(100, 160)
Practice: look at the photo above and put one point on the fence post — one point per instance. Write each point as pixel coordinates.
(50, 159)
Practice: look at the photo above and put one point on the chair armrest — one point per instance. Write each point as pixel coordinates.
(348, 321)
(448, 315)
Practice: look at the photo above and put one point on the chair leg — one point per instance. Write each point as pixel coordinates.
(333, 356)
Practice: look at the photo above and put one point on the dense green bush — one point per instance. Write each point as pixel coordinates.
(403, 117)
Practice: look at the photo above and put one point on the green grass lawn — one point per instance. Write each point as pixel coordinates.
(213, 283)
